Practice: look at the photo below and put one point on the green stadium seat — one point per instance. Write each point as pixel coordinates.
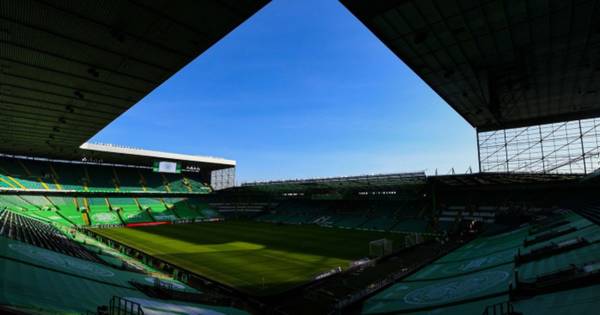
(157, 209)
(182, 209)
(129, 210)
(67, 285)
(44, 175)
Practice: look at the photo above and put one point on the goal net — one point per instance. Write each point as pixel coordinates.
(381, 247)
(413, 239)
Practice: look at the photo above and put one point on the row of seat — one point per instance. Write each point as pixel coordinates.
(591, 213)
(396, 217)
(107, 211)
(499, 270)
(24, 229)
(45, 175)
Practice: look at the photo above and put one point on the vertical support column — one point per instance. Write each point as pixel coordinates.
(570, 159)
(542, 150)
(478, 151)
(506, 150)
(434, 204)
(594, 167)
(582, 147)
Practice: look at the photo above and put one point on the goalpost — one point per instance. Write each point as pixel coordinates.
(412, 239)
(380, 247)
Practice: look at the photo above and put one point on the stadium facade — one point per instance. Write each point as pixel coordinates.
(102, 229)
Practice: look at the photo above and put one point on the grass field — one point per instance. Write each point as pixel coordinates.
(257, 258)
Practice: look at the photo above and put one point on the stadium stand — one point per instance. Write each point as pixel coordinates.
(203, 208)
(16, 176)
(590, 212)
(543, 249)
(129, 210)
(92, 228)
(128, 179)
(181, 208)
(154, 182)
(378, 220)
(294, 213)
(411, 226)
(549, 254)
(28, 174)
(480, 273)
(399, 216)
(68, 85)
(40, 234)
(157, 209)
(68, 176)
(47, 272)
(107, 211)
(102, 213)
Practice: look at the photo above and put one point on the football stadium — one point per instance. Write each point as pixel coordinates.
(96, 228)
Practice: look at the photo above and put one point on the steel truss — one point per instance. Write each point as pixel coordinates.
(223, 178)
(565, 147)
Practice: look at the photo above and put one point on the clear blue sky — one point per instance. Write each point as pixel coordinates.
(302, 89)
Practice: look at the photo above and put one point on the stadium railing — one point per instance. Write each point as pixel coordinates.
(502, 308)
(122, 306)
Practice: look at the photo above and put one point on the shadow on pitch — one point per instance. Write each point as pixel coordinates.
(250, 271)
(308, 240)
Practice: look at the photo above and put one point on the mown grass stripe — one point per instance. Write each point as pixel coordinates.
(258, 258)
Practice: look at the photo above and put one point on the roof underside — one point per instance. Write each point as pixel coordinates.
(70, 67)
(499, 64)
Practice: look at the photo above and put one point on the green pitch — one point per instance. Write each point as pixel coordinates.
(257, 258)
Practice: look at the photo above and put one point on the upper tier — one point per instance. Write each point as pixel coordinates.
(26, 174)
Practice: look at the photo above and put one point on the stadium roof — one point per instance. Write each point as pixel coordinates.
(499, 64)
(68, 68)
(382, 181)
(406, 180)
(484, 179)
(109, 153)
(128, 155)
